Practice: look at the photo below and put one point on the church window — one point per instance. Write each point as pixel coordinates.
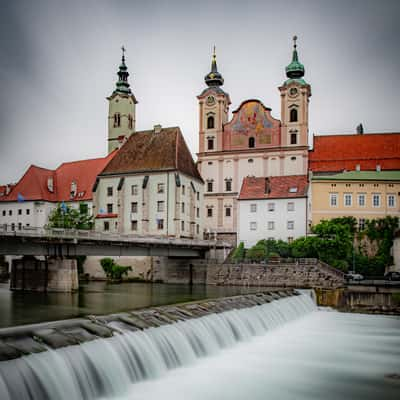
(293, 138)
(210, 122)
(209, 186)
(227, 212)
(210, 144)
(293, 115)
(228, 185)
(117, 120)
(252, 142)
(130, 121)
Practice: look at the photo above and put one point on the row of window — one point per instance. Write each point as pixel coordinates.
(159, 222)
(160, 208)
(117, 120)
(271, 225)
(271, 207)
(135, 190)
(228, 185)
(19, 212)
(376, 200)
(228, 211)
(13, 226)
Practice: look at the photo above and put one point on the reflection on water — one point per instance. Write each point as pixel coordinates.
(18, 308)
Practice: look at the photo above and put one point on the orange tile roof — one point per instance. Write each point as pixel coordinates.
(147, 151)
(33, 184)
(274, 187)
(335, 153)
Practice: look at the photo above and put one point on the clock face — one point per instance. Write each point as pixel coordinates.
(210, 100)
(293, 92)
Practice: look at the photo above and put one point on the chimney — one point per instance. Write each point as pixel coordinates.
(378, 168)
(358, 168)
(157, 128)
(50, 184)
(360, 129)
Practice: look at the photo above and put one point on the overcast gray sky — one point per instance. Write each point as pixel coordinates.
(58, 63)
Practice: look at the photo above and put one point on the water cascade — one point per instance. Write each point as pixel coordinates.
(109, 367)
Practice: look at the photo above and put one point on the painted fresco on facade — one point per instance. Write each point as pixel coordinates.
(252, 119)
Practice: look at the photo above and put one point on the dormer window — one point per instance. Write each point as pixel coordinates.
(293, 115)
(210, 122)
(293, 190)
(252, 142)
(117, 120)
(74, 188)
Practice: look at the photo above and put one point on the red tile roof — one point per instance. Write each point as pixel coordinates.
(33, 184)
(107, 216)
(147, 151)
(335, 153)
(274, 187)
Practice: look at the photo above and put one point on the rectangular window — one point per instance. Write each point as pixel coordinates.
(333, 199)
(109, 191)
(4, 213)
(271, 206)
(228, 186)
(290, 225)
(10, 212)
(290, 239)
(182, 226)
(19, 212)
(198, 195)
(271, 225)
(290, 206)
(253, 226)
(28, 211)
(361, 200)
(209, 186)
(197, 229)
(253, 208)
(133, 225)
(227, 212)
(134, 207)
(376, 199)
(293, 138)
(209, 212)
(160, 188)
(348, 199)
(391, 200)
(210, 144)
(109, 208)
(160, 224)
(19, 226)
(198, 212)
(106, 226)
(160, 206)
(183, 208)
(134, 190)
(183, 190)
(361, 224)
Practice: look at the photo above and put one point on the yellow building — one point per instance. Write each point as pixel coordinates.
(361, 194)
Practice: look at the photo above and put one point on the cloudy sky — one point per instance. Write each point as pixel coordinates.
(58, 63)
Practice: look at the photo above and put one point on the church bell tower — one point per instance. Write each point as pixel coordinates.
(295, 95)
(121, 110)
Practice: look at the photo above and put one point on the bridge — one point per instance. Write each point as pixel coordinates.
(56, 242)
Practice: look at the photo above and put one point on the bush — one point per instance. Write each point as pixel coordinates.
(239, 253)
(113, 271)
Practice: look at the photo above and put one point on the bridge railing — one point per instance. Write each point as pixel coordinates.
(61, 233)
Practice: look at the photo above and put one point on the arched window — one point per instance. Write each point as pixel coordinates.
(130, 121)
(293, 115)
(210, 122)
(252, 142)
(117, 120)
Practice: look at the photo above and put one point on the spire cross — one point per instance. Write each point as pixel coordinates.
(214, 55)
(294, 41)
(123, 52)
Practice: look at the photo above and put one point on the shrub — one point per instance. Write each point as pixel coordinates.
(113, 271)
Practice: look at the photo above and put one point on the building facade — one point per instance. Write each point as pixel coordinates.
(272, 208)
(252, 143)
(151, 187)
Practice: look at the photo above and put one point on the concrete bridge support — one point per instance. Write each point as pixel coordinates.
(49, 275)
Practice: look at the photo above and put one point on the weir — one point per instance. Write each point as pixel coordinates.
(142, 345)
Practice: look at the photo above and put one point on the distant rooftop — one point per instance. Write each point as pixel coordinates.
(360, 176)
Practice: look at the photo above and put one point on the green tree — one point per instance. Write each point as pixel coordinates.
(257, 252)
(71, 218)
(113, 271)
(239, 253)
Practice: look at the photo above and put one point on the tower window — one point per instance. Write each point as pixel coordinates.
(210, 144)
(293, 115)
(130, 121)
(228, 185)
(293, 138)
(252, 142)
(209, 186)
(210, 122)
(227, 212)
(117, 120)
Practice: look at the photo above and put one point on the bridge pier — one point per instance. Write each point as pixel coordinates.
(50, 275)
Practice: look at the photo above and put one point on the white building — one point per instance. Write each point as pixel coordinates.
(272, 208)
(151, 187)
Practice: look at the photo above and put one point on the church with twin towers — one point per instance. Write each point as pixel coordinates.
(250, 144)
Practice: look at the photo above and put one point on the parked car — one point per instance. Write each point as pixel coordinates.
(352, 276)
(392, 276)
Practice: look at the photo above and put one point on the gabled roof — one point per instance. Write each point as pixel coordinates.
(34, 183)
(336, 153)
(274, 187)
(150, 151)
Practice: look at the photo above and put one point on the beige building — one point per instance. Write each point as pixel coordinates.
(361, 194)
(252, 143)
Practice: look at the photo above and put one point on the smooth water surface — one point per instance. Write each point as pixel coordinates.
(98, 298)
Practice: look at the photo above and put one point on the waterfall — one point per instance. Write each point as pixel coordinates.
(107, 367)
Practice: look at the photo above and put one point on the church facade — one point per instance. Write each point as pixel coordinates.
(252, 143)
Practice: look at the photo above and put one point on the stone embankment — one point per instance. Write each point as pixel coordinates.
(18, 341)
(297, 273)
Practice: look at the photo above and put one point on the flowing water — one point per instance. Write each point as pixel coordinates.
(287, 349)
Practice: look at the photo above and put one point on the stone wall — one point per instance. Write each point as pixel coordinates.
(300, 273)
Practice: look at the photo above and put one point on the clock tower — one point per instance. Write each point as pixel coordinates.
(295, 95)
(213, 111)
